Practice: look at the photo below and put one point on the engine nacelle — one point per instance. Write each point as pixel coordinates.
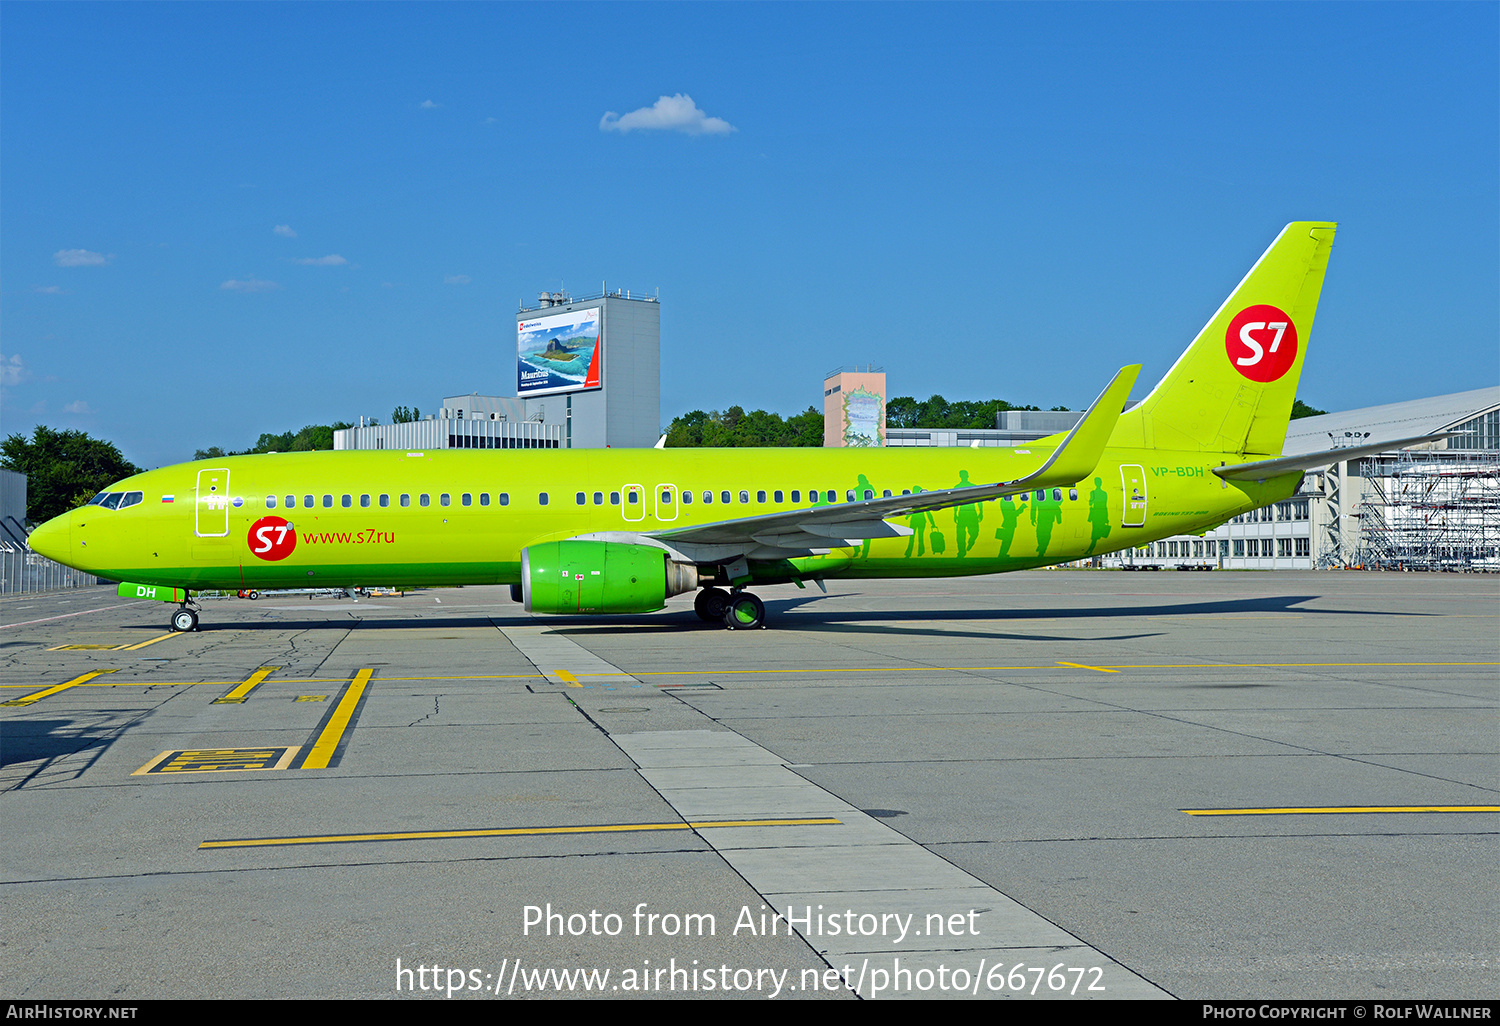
(600, 577)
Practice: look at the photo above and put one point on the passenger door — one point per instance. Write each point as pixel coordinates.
(1133, 484)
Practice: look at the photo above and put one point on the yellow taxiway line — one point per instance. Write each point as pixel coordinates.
(242, 692)
(426, 835)
(1327, 810)
(45, 692)
(328, 741)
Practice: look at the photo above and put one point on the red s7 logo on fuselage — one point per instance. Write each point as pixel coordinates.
(272, 538)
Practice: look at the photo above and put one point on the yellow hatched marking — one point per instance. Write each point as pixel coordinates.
(242, 692)
(85, 648)
(46, 692)
(1322, 810)
(425, 835)
(1081, 666)
(311, 698)
(152, 641)
(219, 760)
(328, 741)
(567, 678)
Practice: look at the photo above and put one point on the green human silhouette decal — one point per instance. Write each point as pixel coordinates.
(1046, 513)
(967, 518)
(1098, 514)
(1010, 517)
(918, 522)
(863, 490)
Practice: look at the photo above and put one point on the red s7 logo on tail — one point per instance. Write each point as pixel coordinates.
(1261, 342)
(272, 538)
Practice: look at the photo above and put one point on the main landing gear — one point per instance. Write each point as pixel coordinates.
(739, 610)
(185, 619)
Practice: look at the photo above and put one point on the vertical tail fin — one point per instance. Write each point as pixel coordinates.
(1232, 390)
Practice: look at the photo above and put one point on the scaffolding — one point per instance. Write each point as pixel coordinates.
(1429, 510)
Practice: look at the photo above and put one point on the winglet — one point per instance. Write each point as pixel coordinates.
(1079, 453)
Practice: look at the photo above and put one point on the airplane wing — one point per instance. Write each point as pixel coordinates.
(1265, 469)
(817, 529)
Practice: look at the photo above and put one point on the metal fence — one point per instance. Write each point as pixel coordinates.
(22, 570)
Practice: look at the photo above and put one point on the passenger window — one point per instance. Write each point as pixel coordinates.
(385, 500)
(724, 498)
(614, 498)
(346, 501)
(405, 499)
(760, 496)
(886, 494)
(581, 498)
(869, 494)
(270, 502)
(598, 498)
(708, 498)
(505, 498)
(467, 499)
(631, 497)
(364, 502)
(850, 494)
(744, 497)
(666, 496)
(796, 495)
(780, 496)
(484, 498)
(687, 497)
(328, 502)
(1073, 494)
(424, 500)
(443, 499)
(1057, 495)
(307, 501)
(291, 502)
(541, 499)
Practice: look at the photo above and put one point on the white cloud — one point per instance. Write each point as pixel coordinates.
(429, 105)
(285, 231)
(251, 284)
(12, 370)
(331, 260)
(671, 114)
(50, 290)
(80, 258)
(77, 406)
(457, 279)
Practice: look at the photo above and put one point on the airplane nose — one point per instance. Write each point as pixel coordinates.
(51, 539)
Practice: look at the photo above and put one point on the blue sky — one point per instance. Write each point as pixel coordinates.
(223, 219)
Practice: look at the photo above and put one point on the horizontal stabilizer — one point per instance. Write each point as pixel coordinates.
(1266, 469)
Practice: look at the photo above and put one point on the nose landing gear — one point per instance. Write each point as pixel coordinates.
(185, 619)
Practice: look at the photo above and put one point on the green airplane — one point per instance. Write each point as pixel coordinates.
(614, 531)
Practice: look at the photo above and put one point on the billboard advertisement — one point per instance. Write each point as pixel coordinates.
(558, 353)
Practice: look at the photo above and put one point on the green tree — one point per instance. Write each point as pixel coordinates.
(310, 438)
(736, 428)
(1300, 409)
(63, 469)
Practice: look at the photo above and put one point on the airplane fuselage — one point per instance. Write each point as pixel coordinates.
(463, 517)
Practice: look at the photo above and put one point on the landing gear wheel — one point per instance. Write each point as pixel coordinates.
(711, 605)
(745, 612)
(184, 620)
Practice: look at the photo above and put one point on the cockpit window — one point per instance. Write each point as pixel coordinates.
(112, 500)
(132, 499)
(98, 500)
